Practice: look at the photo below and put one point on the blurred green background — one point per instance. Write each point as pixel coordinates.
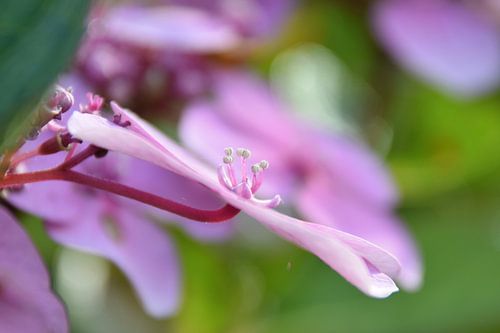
(444, 155)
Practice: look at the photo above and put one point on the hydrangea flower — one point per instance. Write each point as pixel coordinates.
(332, 180)
(27, 304)
(362, 263)
(114, 227)
(452, 44)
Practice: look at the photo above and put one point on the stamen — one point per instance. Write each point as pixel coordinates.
(223, 176)
(94, 105)
(117, 119)
(244, 188)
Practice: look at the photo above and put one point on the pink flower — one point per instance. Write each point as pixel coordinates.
(114, 227)
(154, 56)
(27, 304)
(252, 18)
(448, 43)
(365, 265)
(332, 180)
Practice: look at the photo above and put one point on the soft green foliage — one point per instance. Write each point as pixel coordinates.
(37, 40)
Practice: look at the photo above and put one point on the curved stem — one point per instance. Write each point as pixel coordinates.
(59, 173)
(78, 158)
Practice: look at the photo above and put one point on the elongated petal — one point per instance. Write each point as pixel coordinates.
(170, 28)
(26, 302)
(365, 265)
(141, 249)
(321, 202)
(442, 41)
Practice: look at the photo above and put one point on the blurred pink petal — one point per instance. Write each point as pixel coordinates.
(253, 18)
(26, 302)
(199, 117)
(172, 28)
(365, 265)
(355, 170)
(140, 248)
(442, 41)
(156, 180)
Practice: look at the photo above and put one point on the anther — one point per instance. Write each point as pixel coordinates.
(243, 152)
(264, 164)
(227, 159)
(256, 168)
(228, 151)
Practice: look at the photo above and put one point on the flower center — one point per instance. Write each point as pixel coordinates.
(247, 186)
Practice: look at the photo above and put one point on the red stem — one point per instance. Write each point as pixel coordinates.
(78, 158)
(219, 215)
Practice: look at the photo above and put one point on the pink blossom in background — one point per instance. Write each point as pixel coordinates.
(119, 229)
(27, 304)
(252, 18)
(332, 180)
(365, 265)
(153, 56)
(451, 44)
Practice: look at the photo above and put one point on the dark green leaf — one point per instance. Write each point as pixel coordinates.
(37, 41)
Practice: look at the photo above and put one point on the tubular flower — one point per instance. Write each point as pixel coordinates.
(365, 265)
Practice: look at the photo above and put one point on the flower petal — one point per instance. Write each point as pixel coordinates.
(141, 249)
(355, 170)
(363, 264)
(170, 27)
(26, 302)
(442, 41)
(319, 201)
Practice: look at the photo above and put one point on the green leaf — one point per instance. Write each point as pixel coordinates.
(441, 144)
(37, 41)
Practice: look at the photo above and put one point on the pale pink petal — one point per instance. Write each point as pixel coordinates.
(355, 170)
(442, 41)
(363, 264)
(319, 201)
(141, 249)
(26, 302)
(246, 102)
(172, 28)
(133, 142)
